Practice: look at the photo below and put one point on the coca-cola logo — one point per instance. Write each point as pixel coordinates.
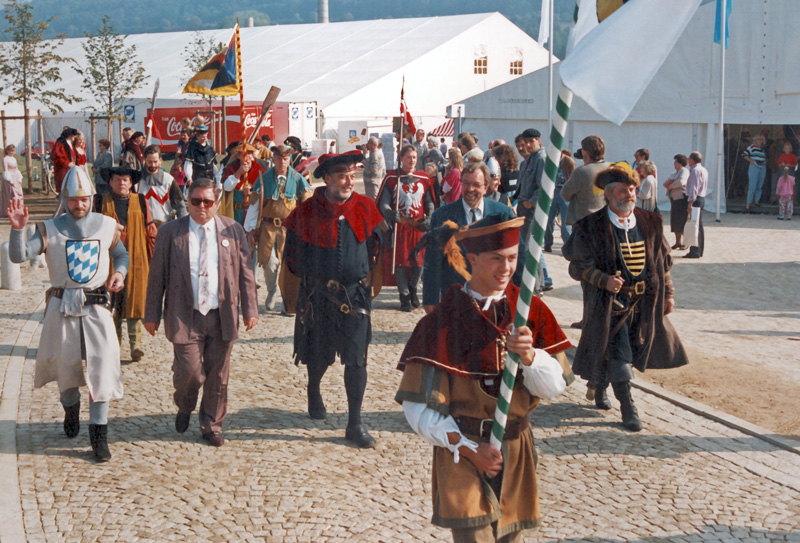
(173, 127)
(250, 120)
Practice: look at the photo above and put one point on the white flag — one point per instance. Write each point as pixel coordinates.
(614, 57)
(544, 24)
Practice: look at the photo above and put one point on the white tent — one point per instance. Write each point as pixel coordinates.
(352, 70)
(679, 111)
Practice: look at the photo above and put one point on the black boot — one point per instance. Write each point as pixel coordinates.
(405, 302)
(412, 295)
(72, 420)
(98, 436)
(630, 417)
(601, 398)
(316, 406)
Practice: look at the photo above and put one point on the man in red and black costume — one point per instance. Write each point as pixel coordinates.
(238, 178)
(332, 240)
(63, 156)
(452, 370)
(408, 210)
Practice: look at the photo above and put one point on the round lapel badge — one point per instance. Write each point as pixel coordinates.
(225, 243)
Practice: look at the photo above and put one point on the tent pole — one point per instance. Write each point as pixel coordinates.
(721, 146)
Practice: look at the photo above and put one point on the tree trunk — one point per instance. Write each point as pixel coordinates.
(28, 150)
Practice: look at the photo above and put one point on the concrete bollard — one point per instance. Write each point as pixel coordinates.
(10, 276)
(38, 260)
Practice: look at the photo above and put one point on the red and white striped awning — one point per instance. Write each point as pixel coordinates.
(444, 130)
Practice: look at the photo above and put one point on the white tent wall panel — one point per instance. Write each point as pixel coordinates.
(443, 75)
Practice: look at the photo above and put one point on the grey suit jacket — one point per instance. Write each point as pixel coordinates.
(579, 191)
(170, 280)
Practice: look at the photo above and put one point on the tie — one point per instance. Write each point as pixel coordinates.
(473, 216)
(202, 284)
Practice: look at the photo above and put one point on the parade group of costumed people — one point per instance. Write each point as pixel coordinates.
(199, 272)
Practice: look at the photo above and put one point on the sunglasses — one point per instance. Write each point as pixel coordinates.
(197, 202)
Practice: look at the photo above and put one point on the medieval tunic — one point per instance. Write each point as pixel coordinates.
(203, 158)
(277, 195)
(235, 199)
(133, 215)
(413, 204)
(77, 265)
(454, 366)
(163, 196)
(331, 248)
(593, 250)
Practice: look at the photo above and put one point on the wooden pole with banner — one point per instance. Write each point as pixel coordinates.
(240, 82)
(269, 101)
(151, 117)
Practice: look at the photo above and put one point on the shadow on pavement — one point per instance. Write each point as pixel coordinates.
(707, 534)
(249, 424)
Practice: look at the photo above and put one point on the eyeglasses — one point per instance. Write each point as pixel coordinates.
(197, 202)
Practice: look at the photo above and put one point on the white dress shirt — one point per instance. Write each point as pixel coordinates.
(478, 210)
(213, 261)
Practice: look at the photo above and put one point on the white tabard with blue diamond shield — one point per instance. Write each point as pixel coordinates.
(82, 259)
(77, 264)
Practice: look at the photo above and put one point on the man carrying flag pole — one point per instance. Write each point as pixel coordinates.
(599, 71)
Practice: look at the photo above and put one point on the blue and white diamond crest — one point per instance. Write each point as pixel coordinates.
(83, 256)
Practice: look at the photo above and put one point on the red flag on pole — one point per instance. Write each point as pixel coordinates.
(404, 113)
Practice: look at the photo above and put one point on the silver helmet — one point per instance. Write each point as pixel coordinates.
(77, 184)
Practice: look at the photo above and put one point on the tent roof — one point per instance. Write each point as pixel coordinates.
(321, 62)
(759, 88)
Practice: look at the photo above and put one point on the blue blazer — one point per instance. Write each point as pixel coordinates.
(437, 274)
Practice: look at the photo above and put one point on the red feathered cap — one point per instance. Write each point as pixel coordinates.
(490, 234)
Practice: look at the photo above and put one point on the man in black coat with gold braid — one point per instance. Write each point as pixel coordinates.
(621, 257)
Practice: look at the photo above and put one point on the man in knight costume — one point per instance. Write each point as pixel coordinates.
(79, 247)
(163, 195)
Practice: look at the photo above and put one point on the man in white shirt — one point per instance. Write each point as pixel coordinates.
(201, 308)
(696, 187)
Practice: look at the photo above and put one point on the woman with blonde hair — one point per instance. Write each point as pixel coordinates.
(451, 184)
(647, 197)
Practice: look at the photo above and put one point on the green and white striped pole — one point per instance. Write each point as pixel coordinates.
(533, 255)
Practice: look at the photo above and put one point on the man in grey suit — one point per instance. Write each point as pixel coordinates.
(201, 315)
(437, 274)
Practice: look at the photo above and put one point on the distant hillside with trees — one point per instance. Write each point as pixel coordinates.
(75, 18)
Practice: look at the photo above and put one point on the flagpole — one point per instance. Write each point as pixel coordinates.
(721, 146)
(533, 255)
(550, 67)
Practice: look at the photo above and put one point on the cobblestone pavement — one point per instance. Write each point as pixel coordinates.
(282, 477)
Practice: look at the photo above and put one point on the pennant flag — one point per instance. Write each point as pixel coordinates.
(609, 41)
(544, 22)
(404, 113)
(717, 33)
(219, 76)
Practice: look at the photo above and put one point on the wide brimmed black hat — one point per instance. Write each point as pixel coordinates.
(328, 162)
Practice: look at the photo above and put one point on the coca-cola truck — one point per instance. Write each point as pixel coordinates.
(167, 124)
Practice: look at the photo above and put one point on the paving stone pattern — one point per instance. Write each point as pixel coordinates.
(282, 477)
